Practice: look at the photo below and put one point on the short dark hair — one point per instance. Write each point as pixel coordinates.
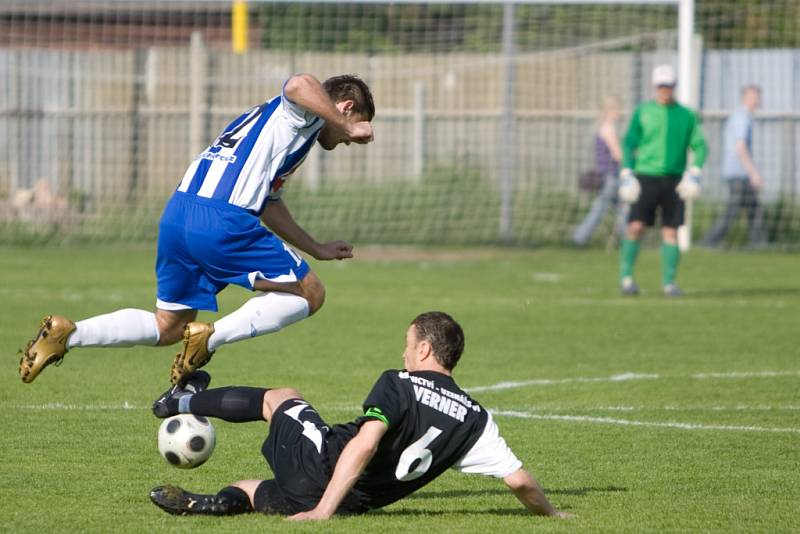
(444, 334)
(351, 87)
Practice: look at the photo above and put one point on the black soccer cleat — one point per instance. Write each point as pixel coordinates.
(167, 404)
(177, 501)
(174, 500)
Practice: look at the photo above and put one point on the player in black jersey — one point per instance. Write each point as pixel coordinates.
(417, 423)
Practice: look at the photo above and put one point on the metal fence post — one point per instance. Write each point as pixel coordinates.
(418, 132)
(198, 66)
(506, 152)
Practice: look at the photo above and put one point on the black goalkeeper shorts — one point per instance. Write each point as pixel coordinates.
(658, 192)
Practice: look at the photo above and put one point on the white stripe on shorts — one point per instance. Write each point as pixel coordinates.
(171, 306)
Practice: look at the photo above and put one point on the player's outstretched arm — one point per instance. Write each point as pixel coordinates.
(307, 92)
(530, 493)
(279, 219)
(351, 463)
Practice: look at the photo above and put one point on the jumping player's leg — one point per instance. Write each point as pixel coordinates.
(279, 305)
(253, 258)
(269, 312)
(130, 327)
(122, 328)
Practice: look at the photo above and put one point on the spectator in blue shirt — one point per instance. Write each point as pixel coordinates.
(740, 173)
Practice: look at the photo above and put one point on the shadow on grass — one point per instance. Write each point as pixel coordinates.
(455, 511)
(450, 494)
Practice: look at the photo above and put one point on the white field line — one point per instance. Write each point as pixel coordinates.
(551, 382)
(628, 422)
(60, 406)
(753, 374)
(672, 408)
(623, 377)
(126, 406)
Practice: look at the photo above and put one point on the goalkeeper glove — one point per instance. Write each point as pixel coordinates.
(689, 188)
(629, 187)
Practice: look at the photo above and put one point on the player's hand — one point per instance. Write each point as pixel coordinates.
(334, 250)
(629, 187)
(689, 188)
(360, 132)
(756, 181)
(311, 515)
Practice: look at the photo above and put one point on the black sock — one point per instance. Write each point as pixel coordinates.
(229, 501)
(234, 500)
(237, 404)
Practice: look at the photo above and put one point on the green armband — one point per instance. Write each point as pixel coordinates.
(376, 412)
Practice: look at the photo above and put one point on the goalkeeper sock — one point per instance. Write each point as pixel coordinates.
(627, 257)
(239, 404)
(122, 328)
(263, 314)
(670, 256)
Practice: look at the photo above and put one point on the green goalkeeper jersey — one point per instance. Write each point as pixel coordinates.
(658, 137)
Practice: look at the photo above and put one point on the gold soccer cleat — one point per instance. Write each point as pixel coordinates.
(195, 351)
(49, 346)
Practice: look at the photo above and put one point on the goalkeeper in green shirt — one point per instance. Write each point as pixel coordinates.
(653, 164)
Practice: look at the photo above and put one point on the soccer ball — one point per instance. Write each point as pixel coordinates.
(186, 441)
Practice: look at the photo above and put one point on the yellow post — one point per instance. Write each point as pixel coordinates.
(239, 26)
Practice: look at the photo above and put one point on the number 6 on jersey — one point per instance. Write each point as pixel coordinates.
(417, 453)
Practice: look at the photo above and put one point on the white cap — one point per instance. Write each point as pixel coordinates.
(664, 75)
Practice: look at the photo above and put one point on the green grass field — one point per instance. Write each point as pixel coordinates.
(636, 415)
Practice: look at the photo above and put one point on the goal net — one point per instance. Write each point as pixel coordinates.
(487, 113)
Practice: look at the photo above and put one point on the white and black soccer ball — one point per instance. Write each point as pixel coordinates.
(186, 441)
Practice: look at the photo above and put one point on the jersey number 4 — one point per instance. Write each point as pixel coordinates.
(230, 138)
(417, 457)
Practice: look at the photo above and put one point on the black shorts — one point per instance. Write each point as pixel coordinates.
(658, 191)
(296, 450)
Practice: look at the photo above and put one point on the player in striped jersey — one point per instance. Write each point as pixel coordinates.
(211, 234)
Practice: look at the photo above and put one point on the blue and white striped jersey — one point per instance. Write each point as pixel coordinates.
(250, 161)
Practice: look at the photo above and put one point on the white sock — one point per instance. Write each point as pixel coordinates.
(122, 328)
(260, 315)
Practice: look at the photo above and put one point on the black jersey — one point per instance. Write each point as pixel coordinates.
(432, 425)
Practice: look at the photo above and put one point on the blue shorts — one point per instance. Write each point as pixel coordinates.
(205, 244)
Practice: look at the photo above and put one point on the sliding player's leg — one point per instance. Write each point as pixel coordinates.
(235, 404)
(244, 496)
(294, 425)
(230, 500)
